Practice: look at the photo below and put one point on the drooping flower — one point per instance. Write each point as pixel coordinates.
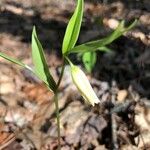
(83, 85)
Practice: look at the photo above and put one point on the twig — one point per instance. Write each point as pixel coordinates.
(113, 121)
(114, 132)
(123, 107)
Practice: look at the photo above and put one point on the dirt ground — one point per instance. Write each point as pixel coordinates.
(121, 78)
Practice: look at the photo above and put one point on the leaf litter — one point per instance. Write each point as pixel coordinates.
(27, 110)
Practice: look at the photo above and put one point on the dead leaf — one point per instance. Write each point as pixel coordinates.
(121, 95)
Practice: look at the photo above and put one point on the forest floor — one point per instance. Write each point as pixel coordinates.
(121, 78)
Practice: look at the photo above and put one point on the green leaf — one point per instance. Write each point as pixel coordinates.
(94, 45)
(73, 28)
(39, 61)
(104, 49)
(89, 60)
(13, 60)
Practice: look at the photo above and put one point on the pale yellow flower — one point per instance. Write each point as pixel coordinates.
(83, 85)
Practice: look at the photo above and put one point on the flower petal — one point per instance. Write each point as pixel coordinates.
(83, 85)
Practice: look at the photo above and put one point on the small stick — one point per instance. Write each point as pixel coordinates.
(115, 145)
(123, 107)
(114, 132)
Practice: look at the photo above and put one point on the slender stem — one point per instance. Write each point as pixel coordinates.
(57, 104)
(58, 119)
(71, 64)
(61, 74)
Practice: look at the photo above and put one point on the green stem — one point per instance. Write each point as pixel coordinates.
(61, 74)
(71, 64)
(58, 119)
(57, 104)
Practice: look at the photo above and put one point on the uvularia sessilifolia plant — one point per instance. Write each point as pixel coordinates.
(79, 78)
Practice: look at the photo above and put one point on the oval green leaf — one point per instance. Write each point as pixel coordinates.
(73, 28)
(89, 60)
(94, 45)
(39, 61)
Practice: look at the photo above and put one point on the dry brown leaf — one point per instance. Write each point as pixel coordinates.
(5, 137)
(129, 147)
(121, 95)
(111, 23)
(38, 93)
(142, 119)
(18, 116)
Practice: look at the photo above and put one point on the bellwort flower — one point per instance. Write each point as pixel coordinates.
(82, 83)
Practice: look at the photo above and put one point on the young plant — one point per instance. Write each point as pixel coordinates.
(80, 80)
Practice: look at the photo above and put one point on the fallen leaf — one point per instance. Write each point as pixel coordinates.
(121, 95)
